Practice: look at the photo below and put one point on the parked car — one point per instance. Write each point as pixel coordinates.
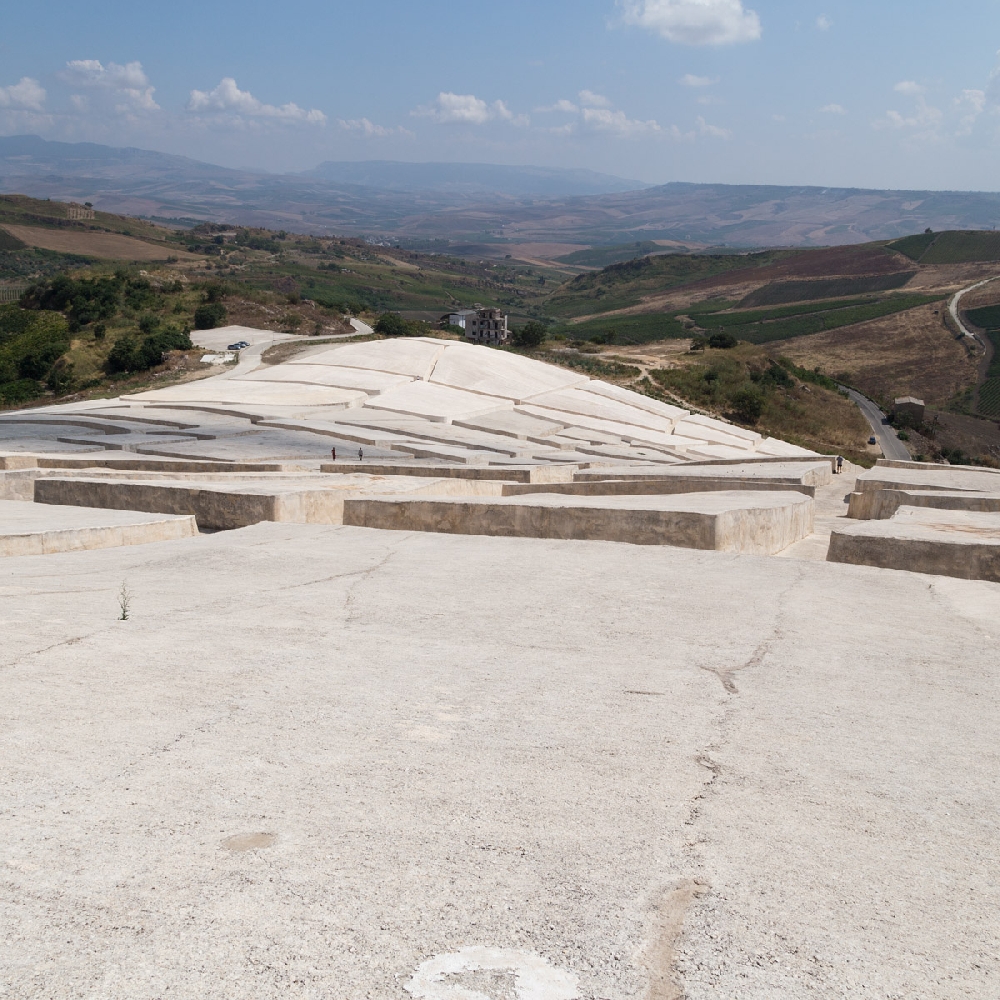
(234, 347)
(872, 440)
(243, 343)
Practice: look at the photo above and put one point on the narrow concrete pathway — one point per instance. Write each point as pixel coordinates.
(831, 510)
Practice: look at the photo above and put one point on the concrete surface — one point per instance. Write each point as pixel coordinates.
(226, 505)
(318, 760)
(960, 543)
(866, 500)
(509, 473)
(28, 529)
(725, 521)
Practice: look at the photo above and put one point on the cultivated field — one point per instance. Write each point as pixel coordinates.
(108, 246)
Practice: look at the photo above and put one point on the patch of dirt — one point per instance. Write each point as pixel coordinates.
(303, 317)
(110, 246)
(976, 437)
(911, 353)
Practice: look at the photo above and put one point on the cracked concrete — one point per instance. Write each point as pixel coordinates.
(317, 758)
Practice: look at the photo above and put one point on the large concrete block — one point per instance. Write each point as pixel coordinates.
(28, 529)
(665, 486)
(761, 523)
(509, 473)
(883, 504)
(959, 543)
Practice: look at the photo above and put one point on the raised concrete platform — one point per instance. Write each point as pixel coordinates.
(762, 523)
(959, 543)
(657, 487)
(921, 478)
(225, 505)
(814, 473)
(882, 504)
(28, 529)
(508, 473)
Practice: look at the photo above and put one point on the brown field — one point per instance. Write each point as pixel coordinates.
(908, 353)
(109, 246)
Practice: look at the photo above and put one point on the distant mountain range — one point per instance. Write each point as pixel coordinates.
(473, 203)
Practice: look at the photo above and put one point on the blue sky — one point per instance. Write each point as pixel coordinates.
(882, 93)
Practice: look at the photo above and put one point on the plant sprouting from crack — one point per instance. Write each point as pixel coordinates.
(124, 601)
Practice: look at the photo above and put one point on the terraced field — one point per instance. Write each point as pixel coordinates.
(953, 247)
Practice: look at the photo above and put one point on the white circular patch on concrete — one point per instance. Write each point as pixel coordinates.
(535, 978)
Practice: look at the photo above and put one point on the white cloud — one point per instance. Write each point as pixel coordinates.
(690, 80)
(834, 109)
(909, 87)
(25, 95)
(227, 97)
(694, 22)
(606, 120)
(970, 106)
(713, 130)
(566, 107)
(467, 109)
(824, 23)
(591, 100)
(128, 83)
(369, 129)
(925, 118)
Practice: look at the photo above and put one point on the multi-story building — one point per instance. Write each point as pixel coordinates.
(486, 326)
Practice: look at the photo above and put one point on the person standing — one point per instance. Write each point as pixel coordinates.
(840, 463)
(361, 455)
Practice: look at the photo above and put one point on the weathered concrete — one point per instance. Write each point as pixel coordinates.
(318, 757)
(865, 499)
(507, 473)
(882, 504)
(803, 473)
(725, 521)
(654, 487)
(220, 505)
(28, 529)
(959, 543)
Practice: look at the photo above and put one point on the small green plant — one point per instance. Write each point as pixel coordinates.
(124, 601)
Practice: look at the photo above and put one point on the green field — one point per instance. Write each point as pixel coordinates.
(951, 247)
(755, 329)
(988, 317)
(989, 398)
(641, 329)
(716, 320)
(779, 292)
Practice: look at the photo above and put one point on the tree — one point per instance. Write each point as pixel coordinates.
(530, 335)
(391, 325)
(209, 315)
(748, 405)
(722, 341)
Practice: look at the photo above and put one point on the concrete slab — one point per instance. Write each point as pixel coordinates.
(293, 773)
(725, 521)
(883, 504)
(217, 390)
(436, 402)
(958, 543)
(591, 404)
(663, 486)
(28, 529)
(497, 373)
(636, 399)
(414, 356)
(511, 423)
(369, 382)
(508, 473)
(806, 474)
(865, 500)
(222, 506)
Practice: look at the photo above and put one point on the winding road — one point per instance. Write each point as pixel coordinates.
(953, 307)
(891, 446)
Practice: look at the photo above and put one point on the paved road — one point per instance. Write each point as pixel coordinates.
(953, 307)
(891, 446)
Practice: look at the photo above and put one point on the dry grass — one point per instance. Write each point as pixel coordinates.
(108, 246)
(907, 354)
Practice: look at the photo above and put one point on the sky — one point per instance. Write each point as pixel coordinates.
(841, 93)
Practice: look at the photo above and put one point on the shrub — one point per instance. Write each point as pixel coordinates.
(209, 315)
(532, 334)
(131, 355)
(722, 341)
(748, 405)
(391, 325)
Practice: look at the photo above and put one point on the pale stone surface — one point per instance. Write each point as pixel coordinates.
(729, 521)
(618, 758)
(960, 543)
(28, 529)
(226, 505)
(882, 504)
(209, 390)
(437, 402)
(369, 382)
(591, 404)
(509, 376)
(415, 356)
